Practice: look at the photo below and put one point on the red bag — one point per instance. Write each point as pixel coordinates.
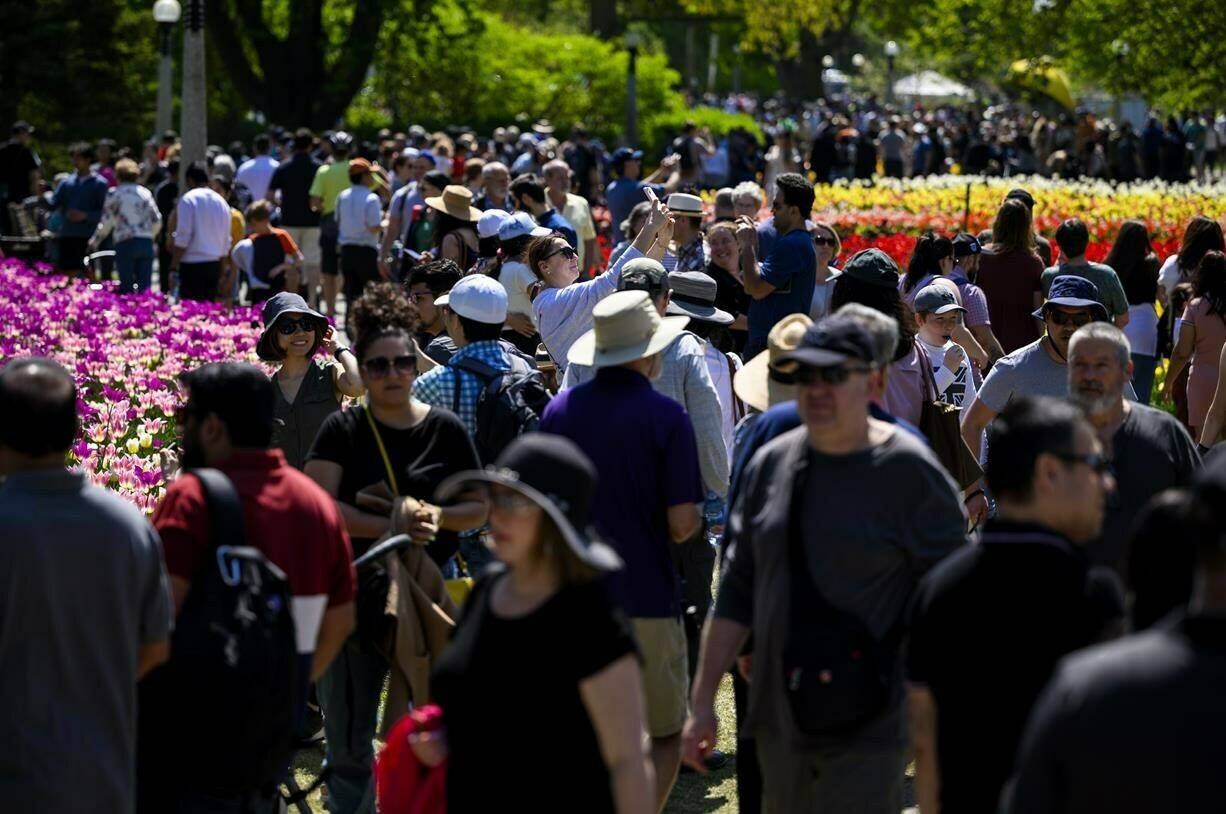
(402, 784)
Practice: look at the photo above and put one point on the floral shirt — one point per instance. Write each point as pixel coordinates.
(130, 211)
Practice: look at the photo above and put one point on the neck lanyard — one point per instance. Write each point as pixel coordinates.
(387, 463)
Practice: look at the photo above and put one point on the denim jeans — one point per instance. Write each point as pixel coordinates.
(134, 259)
(1143, 376)
(349, 695)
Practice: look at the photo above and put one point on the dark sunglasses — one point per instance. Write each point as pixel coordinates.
(380, 366)
(805, 374)
(1062, 318)
(825, 241)
(565, 251)
(1097, 462)
(289, 327)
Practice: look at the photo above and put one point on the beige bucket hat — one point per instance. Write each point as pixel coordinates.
(753, 384)
(626, 326)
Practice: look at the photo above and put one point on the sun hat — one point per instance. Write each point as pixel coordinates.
(479, 298)
(1072, 291)
(936, 299)
(519, 225)
(872, 266)
(753, 384)
(276, 306)
(542, 127)
(456, 201)
(831, 341)
(682, 203)
(554, 473)
(626, 327)
(490, 222)
(694, 296)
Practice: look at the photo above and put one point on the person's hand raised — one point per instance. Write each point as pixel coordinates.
(746, 230)
(656, 217)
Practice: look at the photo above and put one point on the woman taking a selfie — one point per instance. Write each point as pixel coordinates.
(393, 451)
(541, 629)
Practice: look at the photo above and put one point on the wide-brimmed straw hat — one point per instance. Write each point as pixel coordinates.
(456, 201)
(753, 383)
(555, 474)
(627, 326)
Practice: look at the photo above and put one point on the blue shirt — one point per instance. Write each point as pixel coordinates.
(791, 267)
(767, 235)
(642, 444)
(437, 387)
(622, 196)
(550, 219)
(86, 193)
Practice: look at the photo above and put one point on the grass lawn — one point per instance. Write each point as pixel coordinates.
(693, 794)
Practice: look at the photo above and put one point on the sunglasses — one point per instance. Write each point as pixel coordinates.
(1062, 318)
(510, 502)
(1098, 463)
(825, 241)
(289, 327)
(805, 375)
(565, 251)
(381, 366)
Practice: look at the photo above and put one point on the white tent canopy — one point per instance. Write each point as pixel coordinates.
(930, 84)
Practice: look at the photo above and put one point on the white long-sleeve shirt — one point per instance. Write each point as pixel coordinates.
(562, 315)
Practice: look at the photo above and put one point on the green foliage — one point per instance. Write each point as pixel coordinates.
(656, 131)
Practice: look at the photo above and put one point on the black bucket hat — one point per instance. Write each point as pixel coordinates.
(276, 306)
(556, 475)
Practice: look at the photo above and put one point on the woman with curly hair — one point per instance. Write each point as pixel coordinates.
(392, 451)
(1202, 334)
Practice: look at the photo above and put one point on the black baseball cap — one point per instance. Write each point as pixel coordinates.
(830, 341)
(872, 266)
(1022, 195)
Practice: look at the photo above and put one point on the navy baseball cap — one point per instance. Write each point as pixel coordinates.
(1072, 291)
(966, 245)
(623, 154)
(831, 341)
(936, 299)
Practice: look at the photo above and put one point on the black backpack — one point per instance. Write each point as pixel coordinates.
(219, 717)
(510, 405)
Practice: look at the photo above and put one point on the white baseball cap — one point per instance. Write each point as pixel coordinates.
(479, 298)
(518, 225)
(490, 222)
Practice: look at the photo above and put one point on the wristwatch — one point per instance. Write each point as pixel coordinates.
(336, 354)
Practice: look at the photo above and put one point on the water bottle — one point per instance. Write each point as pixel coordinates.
(713, 514)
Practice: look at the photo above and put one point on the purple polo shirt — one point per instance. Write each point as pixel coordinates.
(642, 444)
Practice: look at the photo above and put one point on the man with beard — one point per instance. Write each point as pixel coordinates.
(1149, 449)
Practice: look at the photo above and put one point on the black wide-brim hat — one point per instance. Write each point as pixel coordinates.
(275, 307)
(557, 476)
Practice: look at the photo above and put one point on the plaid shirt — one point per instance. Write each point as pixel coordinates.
(437, 387)
(692, 256)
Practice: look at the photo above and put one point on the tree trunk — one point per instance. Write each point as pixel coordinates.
(291, 81)
(602, 18)
(801, 76)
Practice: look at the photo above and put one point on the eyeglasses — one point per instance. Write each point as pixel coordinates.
(381, 366)
(1098, 463)
(829, 374)
(417, 296)
(565, 251)
(825, 241)
(1063, 318)
(289, 327)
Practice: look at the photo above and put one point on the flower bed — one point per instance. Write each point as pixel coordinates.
(126, 353)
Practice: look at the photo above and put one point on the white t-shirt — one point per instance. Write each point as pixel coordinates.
(718, 367)
(956, 388)
(255, 173)
(820, 306)
(517, 278)
(1169, 276)
(1142, 329)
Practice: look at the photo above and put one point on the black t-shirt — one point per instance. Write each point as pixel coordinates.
(422, 457)
(988, 626)
(510, 691)
(1151, 451)
(17, 161)
(294, 179)
(730, 295)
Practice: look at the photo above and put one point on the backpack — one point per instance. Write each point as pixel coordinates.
(219, 716)
(510, 404)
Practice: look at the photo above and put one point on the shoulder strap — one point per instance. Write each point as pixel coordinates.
(930, 379)
(477, 367)
(387, 462)
(225, 509)
(738, 406)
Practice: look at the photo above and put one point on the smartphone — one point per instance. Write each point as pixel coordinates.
(414, 255)
(651, 194)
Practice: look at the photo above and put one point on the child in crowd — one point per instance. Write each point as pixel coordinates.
(268, 256)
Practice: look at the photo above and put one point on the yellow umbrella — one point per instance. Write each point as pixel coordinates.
(1043, 76)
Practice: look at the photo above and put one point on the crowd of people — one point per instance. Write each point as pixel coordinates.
(492, 477)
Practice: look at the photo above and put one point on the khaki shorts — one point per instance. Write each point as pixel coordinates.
(666, 680)
(307, 238)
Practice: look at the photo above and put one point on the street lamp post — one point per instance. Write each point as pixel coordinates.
(166, 14)
(1121, 50)
(891, 51)
(632, 90)
(194, 122)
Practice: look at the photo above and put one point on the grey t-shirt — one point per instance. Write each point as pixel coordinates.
(82, 587)
(1110, 289)
(1028, 371)
(874, 522)
(1150, 452)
